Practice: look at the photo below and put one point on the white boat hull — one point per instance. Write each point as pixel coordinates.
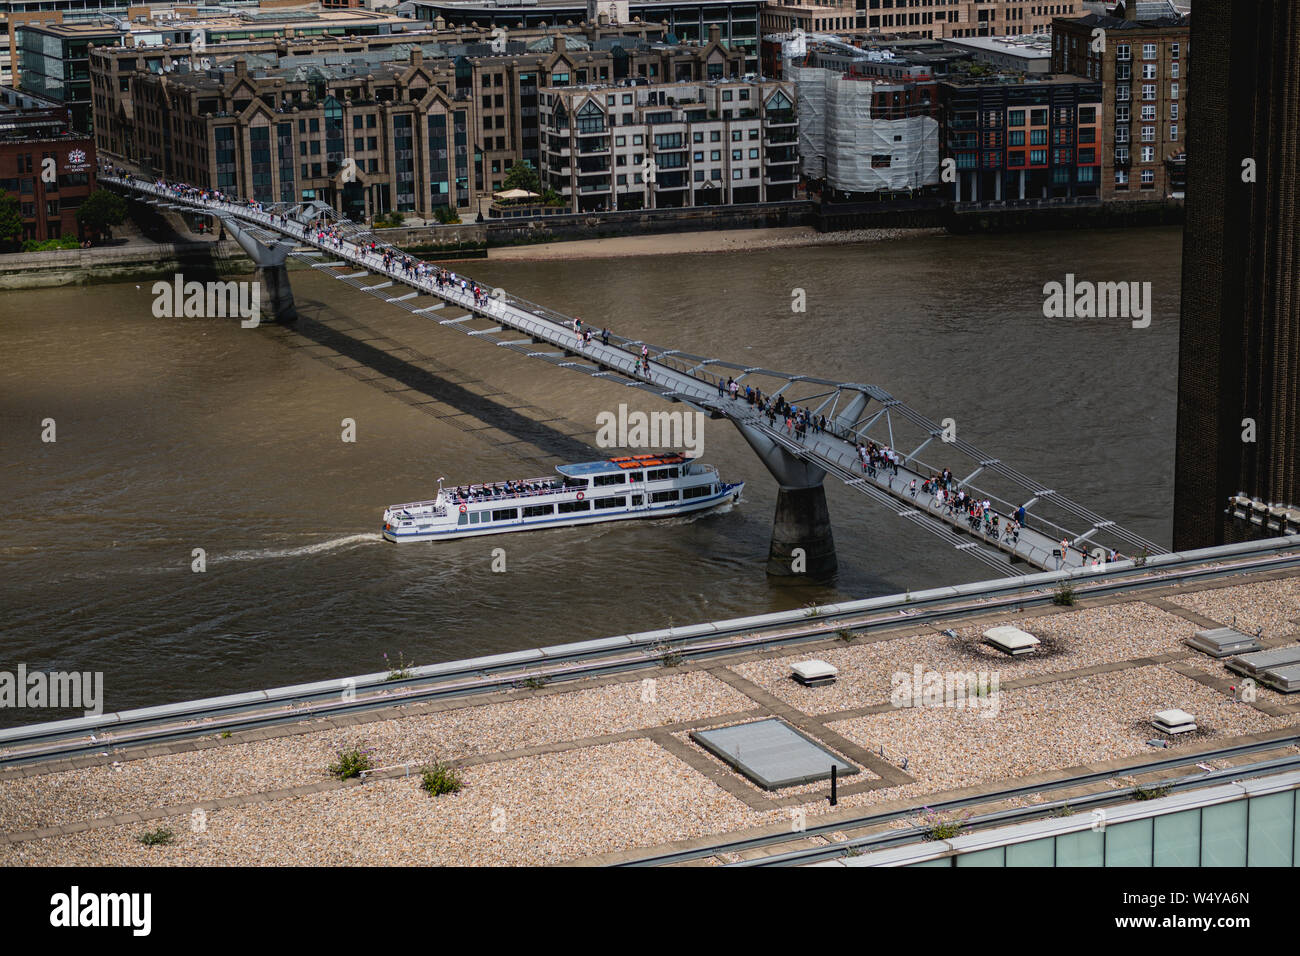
(448, 532)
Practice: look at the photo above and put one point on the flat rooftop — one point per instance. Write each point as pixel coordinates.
(608, 768)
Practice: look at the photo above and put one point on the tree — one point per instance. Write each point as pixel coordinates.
(11, 220)
(101, 210)
(523, 176)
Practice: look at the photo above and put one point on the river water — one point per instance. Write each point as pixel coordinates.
(179, 434)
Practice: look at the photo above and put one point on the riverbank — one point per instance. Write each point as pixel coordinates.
(680, 243)
(137, 260)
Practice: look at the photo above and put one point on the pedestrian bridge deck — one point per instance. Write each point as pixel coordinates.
(680, 376)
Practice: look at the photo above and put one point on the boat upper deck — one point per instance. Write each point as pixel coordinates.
(626, 463)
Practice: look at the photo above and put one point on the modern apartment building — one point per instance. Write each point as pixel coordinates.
(1143, 64)
(45, 164)
(54, 57)
(917, 18)
(1039, 139)
(437, 129)
(687, 21)
(111, 68)
(675, 144)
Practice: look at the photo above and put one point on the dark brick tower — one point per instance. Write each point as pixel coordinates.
(1239, 351)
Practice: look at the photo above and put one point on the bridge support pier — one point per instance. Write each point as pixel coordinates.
(277, 300)
(269, 258)
(802, 542)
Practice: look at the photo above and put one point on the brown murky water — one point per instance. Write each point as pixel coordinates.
(176, 434)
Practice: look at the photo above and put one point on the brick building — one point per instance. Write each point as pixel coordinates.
(1239, 339)
(1143, 64)
(47, 165)
(438, 129)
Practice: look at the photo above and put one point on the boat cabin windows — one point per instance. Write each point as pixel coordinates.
(637, 500)
(616, 479)
(617, 501)
(568, 507)
(505, 514)
(635, 476)
(660, 474)
(570, 484)
(699, 491)
(664, 496)
(536, 511)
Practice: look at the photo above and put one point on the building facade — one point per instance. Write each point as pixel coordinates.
(1040, 139)
(1143, 65)
(45, 164)
(687, 21)
(1239, 342)
(670, 145)
(381, 134)
(917, 18)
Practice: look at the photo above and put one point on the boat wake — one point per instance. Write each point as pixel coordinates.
(320, 547)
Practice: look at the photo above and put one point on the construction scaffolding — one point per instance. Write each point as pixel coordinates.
(842, 142)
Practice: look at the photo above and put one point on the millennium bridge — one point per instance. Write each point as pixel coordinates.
(1057, 534)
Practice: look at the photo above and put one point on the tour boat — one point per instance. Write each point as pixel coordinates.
(639, 486)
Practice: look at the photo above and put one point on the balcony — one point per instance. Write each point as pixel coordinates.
(781, 118)
(781, 178)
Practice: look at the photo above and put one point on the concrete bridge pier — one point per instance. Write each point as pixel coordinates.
(277, 300)
(803, 546)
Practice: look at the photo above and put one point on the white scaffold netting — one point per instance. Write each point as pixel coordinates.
(864, 154)
(841, 142)
(810, 89)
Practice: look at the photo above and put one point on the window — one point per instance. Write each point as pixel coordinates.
(569, 507)
(1173, 111)
(1017, 138)
(1087, 114)
(736, 155)
(614, 479)
(1122, 52)
(753, 154)
(616, 501)
(505, 514)
(1148, 114)
(1148, 177)
(715, 136)
(1038, 117)
(697, 137)
(1122, 94)
(659, 496)
(1037, 157)
(1173, 91)
(1173, 130)
(537, 511)
(1148, 51)
(1149, 91)
(1148, 134)
(1017, 118)
(1121, 114)
(620, 140)
(1148, 154)
(1121, 177)
(1173, 50)
(1148, 71)
(1038, 137)
(715, 155)
(697, 157)
(698, 491)
(1173, 69)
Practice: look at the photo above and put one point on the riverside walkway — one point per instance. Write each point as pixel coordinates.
(1043, 541)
